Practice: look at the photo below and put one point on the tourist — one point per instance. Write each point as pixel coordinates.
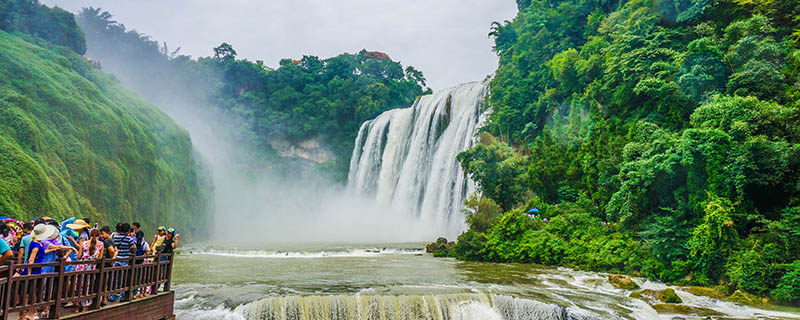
(25, 242)
(71, 235)
(171, 242)
(39, 248)
(125, 244)
(5, 252)
(126, 247)
(109, 252)
(91, 250)
(135, 227)
(158, 240)
(7, 235)
(142, 247)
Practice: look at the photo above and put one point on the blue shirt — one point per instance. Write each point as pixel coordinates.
(39, 256)
(4, 246)
(26, 244)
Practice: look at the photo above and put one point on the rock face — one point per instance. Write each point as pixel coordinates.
(622, 282)
(309, 149)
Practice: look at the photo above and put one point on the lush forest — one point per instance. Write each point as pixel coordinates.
(326, 99)
(655, 138)
(75, 143)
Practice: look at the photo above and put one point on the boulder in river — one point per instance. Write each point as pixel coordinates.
(664, 296)
(622, 282)
(684, 309)
(705, 292)
(747, 299)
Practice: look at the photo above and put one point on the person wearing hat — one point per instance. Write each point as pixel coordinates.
(71, 235)
(39, 248)
(171, 241)
(158, 240)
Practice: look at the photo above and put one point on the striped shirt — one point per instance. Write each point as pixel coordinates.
(124, 243)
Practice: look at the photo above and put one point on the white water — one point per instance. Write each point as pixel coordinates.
(407, 157)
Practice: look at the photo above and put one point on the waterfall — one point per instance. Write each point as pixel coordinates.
(463, 306)
(407, 157)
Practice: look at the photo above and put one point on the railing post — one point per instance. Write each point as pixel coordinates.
(158, 273)
(129, 292)
(99, 283)
(7, 297)
(171, 259)
(58, 285)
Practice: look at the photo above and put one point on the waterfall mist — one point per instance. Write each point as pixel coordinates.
(255, 198)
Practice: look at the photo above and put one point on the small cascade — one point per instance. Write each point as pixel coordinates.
(407, 157)
(464, 306)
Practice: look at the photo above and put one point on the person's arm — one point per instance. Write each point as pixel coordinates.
(74, 243)
(32, 255)
(21, 254)
(8, 254)
(80, 250)
(175, 241)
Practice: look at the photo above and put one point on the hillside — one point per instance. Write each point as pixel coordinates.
(656, 138)
(73, 142)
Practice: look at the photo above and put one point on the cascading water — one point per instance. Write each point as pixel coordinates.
(407, 157)
(466, 306)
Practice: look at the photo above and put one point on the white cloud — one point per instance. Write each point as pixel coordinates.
(446, 39)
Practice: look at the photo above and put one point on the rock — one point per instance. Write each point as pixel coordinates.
(684, 309)
(745, 298)
(668, 296)
(309, 149)
(440, 247)
(430, 247)
(665, 296)
(622, 282)
(705, 292)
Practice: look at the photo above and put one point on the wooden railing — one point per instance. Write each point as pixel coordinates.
(101, 278)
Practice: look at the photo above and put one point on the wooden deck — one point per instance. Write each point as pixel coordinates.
(52, 291)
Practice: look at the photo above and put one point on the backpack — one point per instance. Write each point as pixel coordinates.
(140, 248)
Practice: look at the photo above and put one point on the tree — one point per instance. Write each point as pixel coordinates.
(224, 52)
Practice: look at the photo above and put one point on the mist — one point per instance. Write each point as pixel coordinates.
(256, 204)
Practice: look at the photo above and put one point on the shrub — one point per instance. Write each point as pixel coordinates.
(788, 289)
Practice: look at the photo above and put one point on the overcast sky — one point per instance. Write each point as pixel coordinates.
(445, 39)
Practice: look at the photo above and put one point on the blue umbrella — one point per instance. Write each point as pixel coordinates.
(534, 210)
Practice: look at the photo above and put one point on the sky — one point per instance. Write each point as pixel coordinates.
(445, 39)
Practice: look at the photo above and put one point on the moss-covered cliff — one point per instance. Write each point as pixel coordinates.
(73, 142)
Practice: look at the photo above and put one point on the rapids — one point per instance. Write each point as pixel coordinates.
(338, 281)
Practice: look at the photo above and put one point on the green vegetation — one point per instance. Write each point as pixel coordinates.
(300, 99)
(73, 142)
(656, 138)
(53, 25)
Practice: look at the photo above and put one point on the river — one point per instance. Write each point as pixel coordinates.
(400, 281)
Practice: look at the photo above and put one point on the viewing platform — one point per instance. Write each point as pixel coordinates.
(60, 291)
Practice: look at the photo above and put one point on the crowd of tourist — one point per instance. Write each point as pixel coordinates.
(44, 240)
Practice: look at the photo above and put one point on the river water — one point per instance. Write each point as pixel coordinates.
(399, 281)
